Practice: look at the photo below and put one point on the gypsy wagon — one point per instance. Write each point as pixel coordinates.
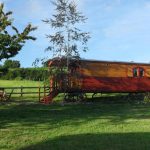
(94, 76)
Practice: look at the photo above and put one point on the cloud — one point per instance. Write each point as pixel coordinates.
(114, 25)
(81, 4)
(38, 8)
(133, 24)
(32, 9)
(33, 12)
(110, 5)
(147, 4)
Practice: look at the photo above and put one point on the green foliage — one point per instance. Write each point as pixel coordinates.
(35, 74)
(11, 44)
(45, 63)
(3, 71)
(12, 64)
(18, 78)
(67, 40)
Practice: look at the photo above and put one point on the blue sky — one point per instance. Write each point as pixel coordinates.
(120, 29)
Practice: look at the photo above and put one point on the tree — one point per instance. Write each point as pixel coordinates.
(68, 39)
(11, 44)
(11, 64)
(45, 64)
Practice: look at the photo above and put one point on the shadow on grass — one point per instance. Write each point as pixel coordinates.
(117, 98)
(54, 115)
(23, 99)
(108, 141)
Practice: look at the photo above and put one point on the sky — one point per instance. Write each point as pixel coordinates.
(119, 29)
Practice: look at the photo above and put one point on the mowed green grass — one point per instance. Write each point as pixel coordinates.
(100, 125)
(16, 83)
(97, 126)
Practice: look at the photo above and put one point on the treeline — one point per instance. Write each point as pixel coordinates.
(11, 70)
(35, 74)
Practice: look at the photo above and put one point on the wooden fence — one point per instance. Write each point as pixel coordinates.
(20, 91)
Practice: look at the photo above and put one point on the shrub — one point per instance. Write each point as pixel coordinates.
(25, 73)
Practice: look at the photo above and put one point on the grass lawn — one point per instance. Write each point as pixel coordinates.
(97, 126)
(104, 125)
(15, 83)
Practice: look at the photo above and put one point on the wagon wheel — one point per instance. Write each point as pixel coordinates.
(93, 95)
(81, 97)
(69, 97)
(135, 97)
(66, 98)
(131, 97)
(75, 97)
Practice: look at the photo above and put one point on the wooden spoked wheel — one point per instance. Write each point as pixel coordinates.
(75, 97)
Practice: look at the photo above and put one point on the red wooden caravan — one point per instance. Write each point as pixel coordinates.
(94, 76)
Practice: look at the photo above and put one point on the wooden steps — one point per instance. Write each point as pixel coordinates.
(49, 98)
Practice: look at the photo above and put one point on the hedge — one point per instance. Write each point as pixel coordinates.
(35, 74)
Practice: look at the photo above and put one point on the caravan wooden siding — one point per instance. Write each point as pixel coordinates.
(99, 76)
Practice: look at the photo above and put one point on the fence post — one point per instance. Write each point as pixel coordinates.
(39, 93)
(21, 91)
(44, 91)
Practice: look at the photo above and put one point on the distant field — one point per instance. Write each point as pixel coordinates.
(14, 83)
(95, 126)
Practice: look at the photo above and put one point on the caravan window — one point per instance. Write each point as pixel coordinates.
(135, 72)
(138, 72)
(141, 72)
